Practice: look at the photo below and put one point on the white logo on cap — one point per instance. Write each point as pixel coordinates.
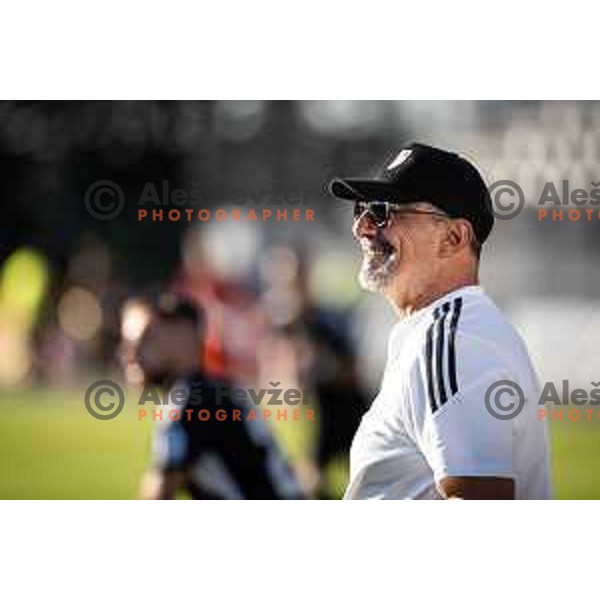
(402, 156)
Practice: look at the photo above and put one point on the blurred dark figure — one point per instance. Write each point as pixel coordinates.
(209, 459)
(214, 272)
(322, 355)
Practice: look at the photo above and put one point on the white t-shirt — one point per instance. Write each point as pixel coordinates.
(430, 418)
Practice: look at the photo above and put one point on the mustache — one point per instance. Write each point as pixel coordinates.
(377, 243)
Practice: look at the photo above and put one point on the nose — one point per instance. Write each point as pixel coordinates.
(364, 226)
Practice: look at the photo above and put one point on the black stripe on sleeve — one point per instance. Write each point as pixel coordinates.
(440, 355)
(429, 365)
(457, 305)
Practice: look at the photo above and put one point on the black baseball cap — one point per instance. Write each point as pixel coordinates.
(421, 173)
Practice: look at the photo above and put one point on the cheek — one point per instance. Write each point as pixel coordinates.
(395, 238)
(418, 244)
(407, 244)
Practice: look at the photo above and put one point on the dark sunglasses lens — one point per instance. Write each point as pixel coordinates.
(359, 209)
(379, 210)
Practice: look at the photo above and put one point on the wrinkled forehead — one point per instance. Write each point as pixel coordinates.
(420, 206)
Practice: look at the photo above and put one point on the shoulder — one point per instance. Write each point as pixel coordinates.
(483, 329)
(464, 343)
(470, 323)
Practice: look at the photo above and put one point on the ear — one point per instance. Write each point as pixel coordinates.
(459, 235)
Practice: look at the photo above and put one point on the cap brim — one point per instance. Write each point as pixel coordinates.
(366, 190)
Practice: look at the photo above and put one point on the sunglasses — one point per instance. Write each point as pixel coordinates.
(381, 212)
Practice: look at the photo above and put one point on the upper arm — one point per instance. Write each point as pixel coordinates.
(172, 446)
(477, 488)
(463, 439)
(172, 454)
(469, 450)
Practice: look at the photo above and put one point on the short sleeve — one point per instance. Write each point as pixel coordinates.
(460, 436)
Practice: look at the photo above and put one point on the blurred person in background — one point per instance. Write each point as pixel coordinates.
(309, 343)
(429, 433)
(215, 274)
(210, 459)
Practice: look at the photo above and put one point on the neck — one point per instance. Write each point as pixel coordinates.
(413, 300)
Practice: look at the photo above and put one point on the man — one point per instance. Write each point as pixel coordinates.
(428, 434)
(227, 458)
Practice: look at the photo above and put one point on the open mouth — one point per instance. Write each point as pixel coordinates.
(380, 260)
(377, 249)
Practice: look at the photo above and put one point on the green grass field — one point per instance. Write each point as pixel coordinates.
(50, 447)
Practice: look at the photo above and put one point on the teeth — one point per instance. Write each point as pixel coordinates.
(373, 251)
(376, 251)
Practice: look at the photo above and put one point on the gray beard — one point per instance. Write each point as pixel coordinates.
(376, 276)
